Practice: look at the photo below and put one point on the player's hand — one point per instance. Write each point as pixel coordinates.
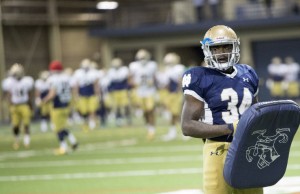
(233, 126)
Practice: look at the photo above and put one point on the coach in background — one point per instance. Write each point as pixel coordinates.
(17, 88)
(215, 97)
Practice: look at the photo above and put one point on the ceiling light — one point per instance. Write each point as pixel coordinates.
(107, 5)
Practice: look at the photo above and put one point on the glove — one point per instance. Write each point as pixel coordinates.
(233, 126)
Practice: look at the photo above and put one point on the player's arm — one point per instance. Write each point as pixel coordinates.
(37, 97)
(7, 97)
(75, 91)
(96, 87)
(51, 95)
(192, 111)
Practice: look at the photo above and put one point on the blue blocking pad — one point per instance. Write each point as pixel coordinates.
(259, 152)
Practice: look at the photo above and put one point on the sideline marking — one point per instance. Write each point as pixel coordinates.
(68, 176)
(116, 161)
(287, 185)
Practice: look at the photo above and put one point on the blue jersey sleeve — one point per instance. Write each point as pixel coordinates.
(194, 84)
(254, 77)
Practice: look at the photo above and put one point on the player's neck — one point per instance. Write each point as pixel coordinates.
(230, 70)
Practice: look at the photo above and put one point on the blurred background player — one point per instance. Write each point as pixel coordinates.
(105, 99)
(60, 95)
(175, 71)
(162, 82)
(277, 71)
(142, 79)
(17, 88)
(291, 78)
(118, 76)
(86, 93)
(41, 90)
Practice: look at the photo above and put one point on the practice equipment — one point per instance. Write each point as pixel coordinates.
(259, 152)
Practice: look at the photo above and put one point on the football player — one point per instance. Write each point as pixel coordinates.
(60, 96)
(118, 76)
(142, 79)
(277, 70)
(86, 93)
(291, 78)
(175, 71)
(162, 82)
(41, 90)
(17, 88)
(214, 99)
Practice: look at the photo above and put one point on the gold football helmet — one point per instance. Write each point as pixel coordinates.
(17, 71)
(85, 63)
(171, 59)
(116, 62)
(44, 75)
(220, 35)
(143, 54)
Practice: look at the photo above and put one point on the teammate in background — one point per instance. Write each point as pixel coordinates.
(142, 79)
(60, 96)
(118, 76)
(175, 71)
(86, 93)
(277, 71)
(105, 99)
(74, 117)
(41, 90)
(17, 88)
(291, 78)
(214, 98)
(162, 82)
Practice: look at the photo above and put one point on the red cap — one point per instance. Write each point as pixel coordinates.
(55, 66)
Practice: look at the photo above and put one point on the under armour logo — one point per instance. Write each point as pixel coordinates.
(219, 151)
(245, 79)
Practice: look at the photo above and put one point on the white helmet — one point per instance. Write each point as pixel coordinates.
(143, 54)
(85, 63)
(16, 71)
(171, 59)
(220, 35)
(116, 62)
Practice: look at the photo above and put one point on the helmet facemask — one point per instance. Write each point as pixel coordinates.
(212, 59)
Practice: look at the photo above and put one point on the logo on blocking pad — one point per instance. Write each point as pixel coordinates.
(264, 147)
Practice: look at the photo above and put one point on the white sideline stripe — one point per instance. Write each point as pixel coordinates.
(153, 149)
(142, 160)
(100, 175)
(120, 147)
(86, 147)
(87, 150)
(118, 161)
(284, 186)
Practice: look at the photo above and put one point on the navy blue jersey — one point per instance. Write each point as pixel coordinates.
(118, 85)
(61, 84)
(87, 90)
(44, 94)
(226, 96)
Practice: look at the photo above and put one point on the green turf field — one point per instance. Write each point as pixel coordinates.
(108, 161)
